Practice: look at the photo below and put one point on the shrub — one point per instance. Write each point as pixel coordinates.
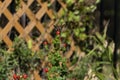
(20, 61)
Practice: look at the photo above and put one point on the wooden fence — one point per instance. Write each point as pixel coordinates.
(32, 18)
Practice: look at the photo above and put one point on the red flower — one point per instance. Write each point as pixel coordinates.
(61, 38)
(25, 76)
(65, 45)
(45, 42)
(18, 77)
(45, 70)
(57, 32)
(15, 76)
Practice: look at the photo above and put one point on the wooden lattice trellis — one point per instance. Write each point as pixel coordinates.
(34, 19)
(34, 22)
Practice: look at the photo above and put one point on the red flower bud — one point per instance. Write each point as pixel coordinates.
(45, 70)
(18, 77)
(25, 76)
(61, 38)
(65, 45)
(57, 32)
(14, 76)
(45, 42)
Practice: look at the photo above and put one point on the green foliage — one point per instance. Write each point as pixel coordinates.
(81, 69)
(98, 58)
(57, 68)
(4, 65)
(78, 18)
(19, 61)
(22, 54)
(58, 71)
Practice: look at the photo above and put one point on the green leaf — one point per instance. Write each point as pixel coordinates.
(77, 18)
(76, 31)
(100, 76)
(76, 12)
(69, 2)
(81, 1)
(71, 16)
(82, 36)
(29, 44)
(100, 37)
(92, 8)
(64, 34)
(97, 1)
(82, 29)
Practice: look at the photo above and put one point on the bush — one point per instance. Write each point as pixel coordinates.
(18, 62)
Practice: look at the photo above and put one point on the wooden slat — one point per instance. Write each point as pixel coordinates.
(42, 11)
(4, 5)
